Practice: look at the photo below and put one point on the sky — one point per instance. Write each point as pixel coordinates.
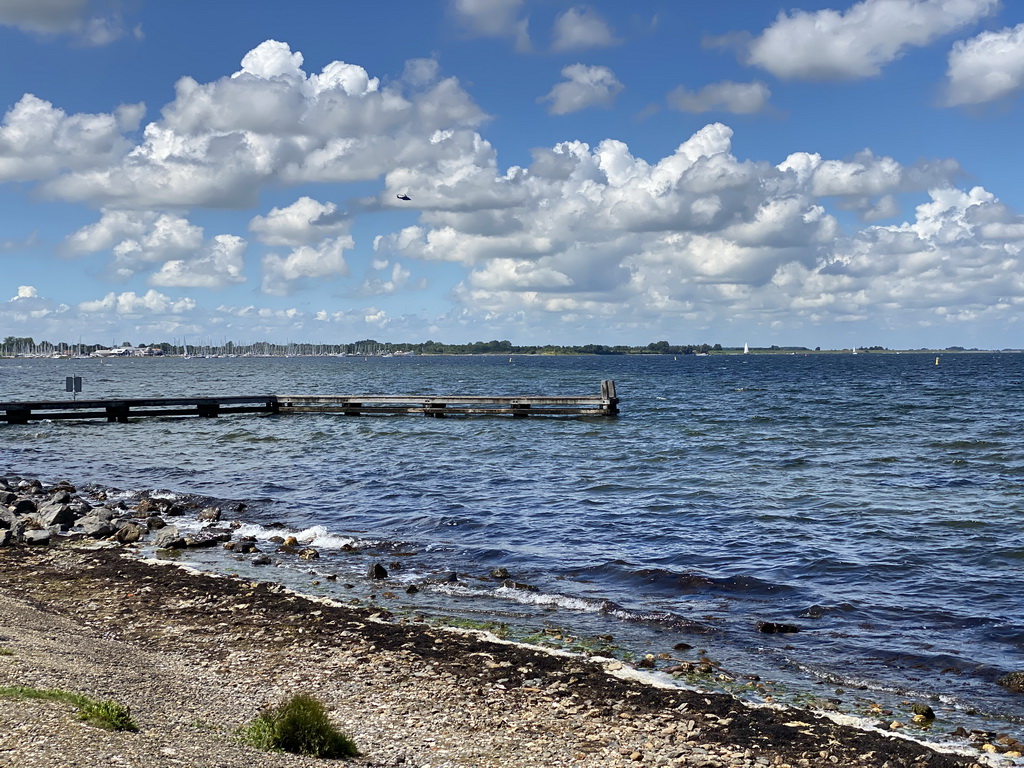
(830, 174)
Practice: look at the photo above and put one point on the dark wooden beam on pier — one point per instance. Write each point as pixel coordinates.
(120, 409)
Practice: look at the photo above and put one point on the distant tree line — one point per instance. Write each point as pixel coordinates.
(14, 346)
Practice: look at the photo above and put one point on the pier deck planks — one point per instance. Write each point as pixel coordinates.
(120, 409)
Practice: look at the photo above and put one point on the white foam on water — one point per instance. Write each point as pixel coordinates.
(527, 597)
(321, 537)
(318, 535)
(454, 588)
(254, 530)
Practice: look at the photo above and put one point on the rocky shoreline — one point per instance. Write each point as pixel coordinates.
(196, 656)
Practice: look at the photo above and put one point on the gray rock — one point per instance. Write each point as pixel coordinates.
(510, 584)
(1014, 681)
(209, 515)
(5, 537)
(202, 539)
(129, 534)
(262, 559)
(923, 710)
(61, 497)
(96, 527)
(23, 506)
(148, 506)
(773, 627)
(35, 536)
(56, 514)
(377, 571)
(7, 518)
(155, 522)
(80, 507)
(169, 538)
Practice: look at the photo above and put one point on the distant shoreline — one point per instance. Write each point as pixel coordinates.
(725, 352)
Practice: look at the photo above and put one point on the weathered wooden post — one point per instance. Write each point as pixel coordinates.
(208, 410)
(610, 406)
(18, 415)
(117, 412)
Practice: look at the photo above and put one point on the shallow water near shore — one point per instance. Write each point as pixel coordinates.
(875, 501)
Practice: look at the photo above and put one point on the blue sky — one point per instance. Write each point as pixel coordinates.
(828, 174)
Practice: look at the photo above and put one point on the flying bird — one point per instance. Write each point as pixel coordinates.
(404, 197)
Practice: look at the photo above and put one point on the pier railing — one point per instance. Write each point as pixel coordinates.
(120, 409)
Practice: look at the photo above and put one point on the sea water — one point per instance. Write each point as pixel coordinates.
(874, 501)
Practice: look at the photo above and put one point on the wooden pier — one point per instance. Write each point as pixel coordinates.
(120, 409)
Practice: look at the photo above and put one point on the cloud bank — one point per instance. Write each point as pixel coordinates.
(583, 236)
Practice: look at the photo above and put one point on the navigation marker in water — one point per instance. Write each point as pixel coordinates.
(73, 384)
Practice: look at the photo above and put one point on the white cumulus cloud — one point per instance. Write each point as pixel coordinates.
(130, 303)
(269, 123)
(595, 234)
(584, 86)
(304, 222)
(168, 245)
(38, 140)
(987, 67)
(215, 265)
(860, 41)
(282, 275)
(581, 27)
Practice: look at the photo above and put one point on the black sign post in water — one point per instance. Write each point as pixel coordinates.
(73, 384)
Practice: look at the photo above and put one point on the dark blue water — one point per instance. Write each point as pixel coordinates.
(875, 501)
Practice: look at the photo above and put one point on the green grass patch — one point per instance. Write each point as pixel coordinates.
(108, 715)
(6, 651)
(301, 726)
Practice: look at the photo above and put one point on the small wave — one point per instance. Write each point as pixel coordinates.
(594, 606)
(244, 436)
(673, 582)
(528, 597)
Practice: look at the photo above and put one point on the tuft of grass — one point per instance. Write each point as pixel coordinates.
(301, 726)
(6, 651)
(108, 715)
